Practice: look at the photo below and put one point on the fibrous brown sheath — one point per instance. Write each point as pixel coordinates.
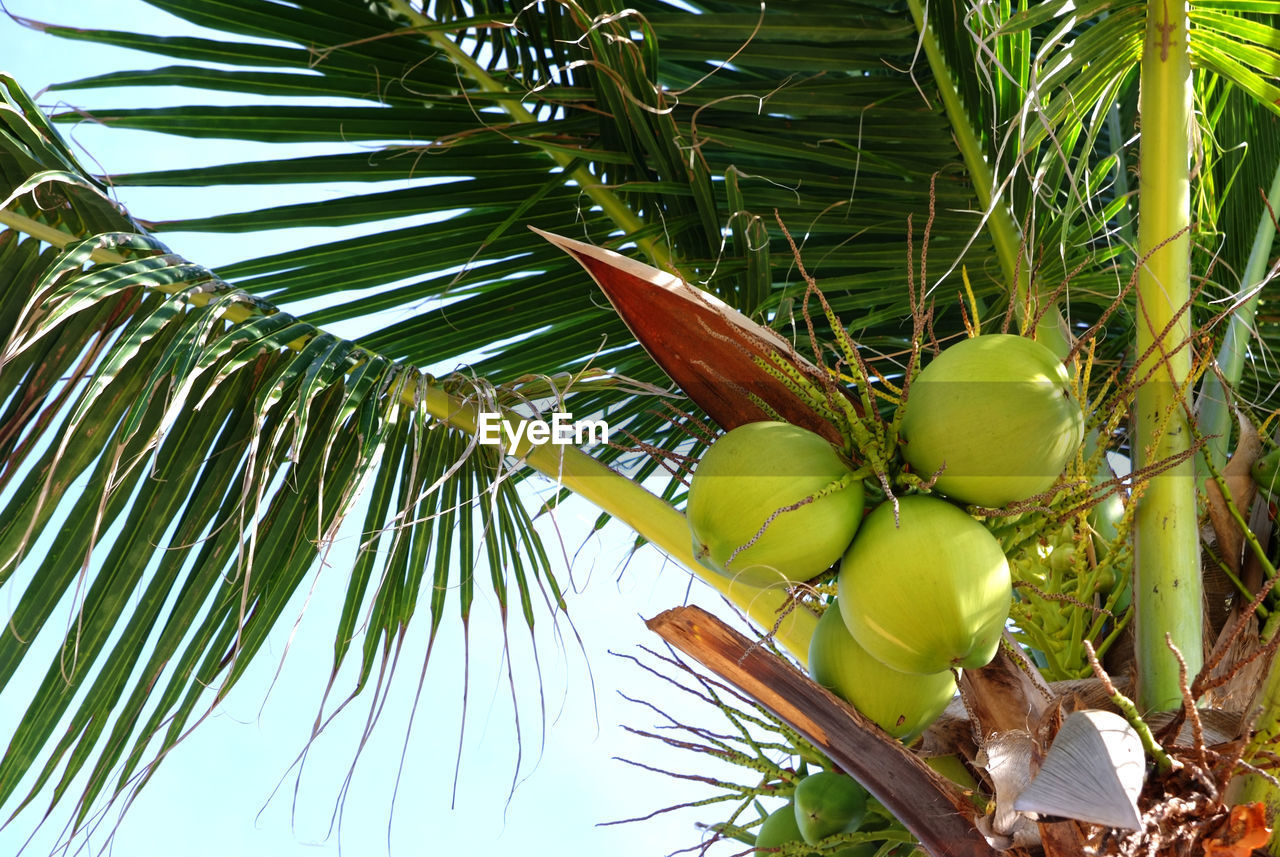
(931, 807)
(715, 354)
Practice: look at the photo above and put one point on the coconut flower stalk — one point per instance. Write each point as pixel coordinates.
(1166, 546)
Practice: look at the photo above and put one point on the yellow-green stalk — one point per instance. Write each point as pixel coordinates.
(1167, 583)
(647, 514)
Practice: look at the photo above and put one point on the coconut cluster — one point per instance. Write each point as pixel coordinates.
(924, 588)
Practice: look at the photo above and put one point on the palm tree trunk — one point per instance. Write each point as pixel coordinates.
(1166, 548)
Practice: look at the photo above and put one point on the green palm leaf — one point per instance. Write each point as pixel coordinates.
(193, 433)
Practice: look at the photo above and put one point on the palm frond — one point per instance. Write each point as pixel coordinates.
(656, 135)
(205, 449)
(211, 463)
(1078, 124)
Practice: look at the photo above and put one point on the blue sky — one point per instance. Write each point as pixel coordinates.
(214, 795)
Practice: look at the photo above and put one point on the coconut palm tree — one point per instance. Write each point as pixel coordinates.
(1100, 176)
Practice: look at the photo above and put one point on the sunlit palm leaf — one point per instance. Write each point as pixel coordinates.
(187, 438)
(208, 447)
(1085, 68)
(847, 189)
(660, 152)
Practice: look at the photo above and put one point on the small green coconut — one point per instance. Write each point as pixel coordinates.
(1266, 472)
(772, 503)
(899, 703)
(827, 803)
(780, 828)
(927, 593)
(994, 417)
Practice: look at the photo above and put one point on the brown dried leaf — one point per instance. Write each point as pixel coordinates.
(1229, 535)
(1007, 694)
(710, 350)
(935, 810)
(1006, 757)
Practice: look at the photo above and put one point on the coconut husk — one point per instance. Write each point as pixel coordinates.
(1232, 660)
(1007, 694)
(1006, 759)
(1062, 838)
(953, 732)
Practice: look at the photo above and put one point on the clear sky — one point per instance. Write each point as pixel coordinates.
(214, 794)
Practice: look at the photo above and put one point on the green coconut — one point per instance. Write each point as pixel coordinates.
(772, 503)
(995, 417)
(1266, 472)
(928, 595)
(1105, 516)
(780, 828)
(1105, 520)
(901, 704)
(827, 803)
